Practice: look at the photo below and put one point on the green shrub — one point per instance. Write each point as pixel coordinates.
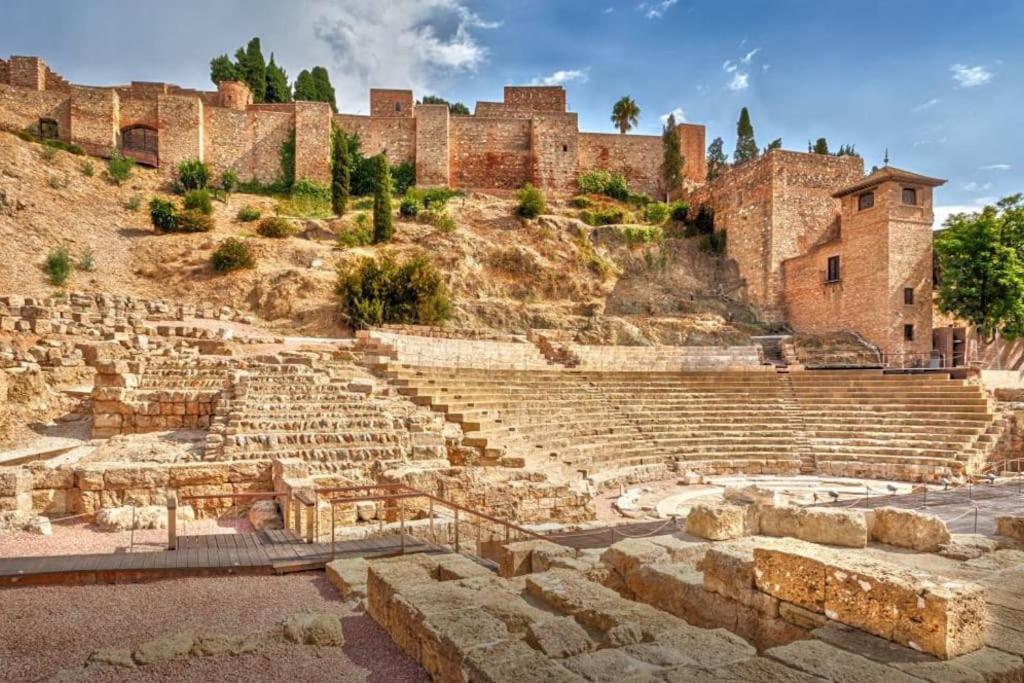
(87, 168)
(228, 181)
(589, 257)
(232, 254)
(358, 235)
(134, 202)
(119, 168)
(580, 202)
(605, 215)
(275, 227)
(403, 176)
(679, 211)
(714, 242)
(656, 213)
(604, 182)
(198, 200)
(162, 215)
(193, 221)
(377, 291)
(248, 213)
(634, 235)
(49, 147)
(193, 174)
(363, 203)
(49, 153)
(307, 200)
(531, 201)
(383, 221)
(701, 224)
(59, 182)
(432, 196)
(86, 261)
(58, 266)
(409, 207)
(617, 188)
(439, 218)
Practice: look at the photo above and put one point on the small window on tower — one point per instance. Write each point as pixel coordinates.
(832, 269)
(910, 196)
(908, 333)
(398, 106)
(865, 201)
(908, 295)
(565, 148)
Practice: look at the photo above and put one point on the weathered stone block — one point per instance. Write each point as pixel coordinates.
(1011, 527)
(717, 522)
(908, 529)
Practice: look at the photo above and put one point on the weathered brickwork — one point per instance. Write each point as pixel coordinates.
(312, 128)
(181, 129)
(391, 103)
(536, 98)
(433, 152)
(22, 109)
(93, 115)
(489, 153)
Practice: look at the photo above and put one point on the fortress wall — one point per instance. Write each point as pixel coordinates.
(383, 101)
(554, 143)
(432, 153)
(691, 142)
(489, 153)
(5, 74)
(355, 124)
(313, 142)
(638, 157)
(136, 112)
(21, 109)
(228, 143)
(27, 72)
(181, 130)
(268, 130)
(394, 136)
(95, 113)
(550, 98)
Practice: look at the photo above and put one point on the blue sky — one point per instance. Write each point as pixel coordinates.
(937, 83)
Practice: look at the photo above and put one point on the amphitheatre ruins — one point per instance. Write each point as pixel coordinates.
(627, 454)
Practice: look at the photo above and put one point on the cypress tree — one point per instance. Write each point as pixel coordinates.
(322, 87)
(821, 146)
(341, 171)
(383, 225)
(222, 69)
(278, 89)
(717, 161)
(746, 146)
(305, 88)
(672, 157)
(252, 69)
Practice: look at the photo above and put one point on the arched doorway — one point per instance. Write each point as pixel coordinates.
(140, 143)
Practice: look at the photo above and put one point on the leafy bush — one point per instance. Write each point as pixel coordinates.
(87, 168)
(656, 213)
(58, 266)
(193, 221)
(193, 174)
(363, 204)
(119, 168)
(134, 202)
(59, 182)
(605, 215)
(604, 182)
(439, 218)
(403, 176)
(275, 227)
(377, 291)
(679, 211)
(199, 200)
(580, 202)
(409, 207)
(358, 235)
(50, 145)
(232, 254)
(531, 201)
(49, 153)
(634, 235)
(228, 181)
(248, 213)
(307, 200)
(596, 263)
(162, 215)
(86, 261)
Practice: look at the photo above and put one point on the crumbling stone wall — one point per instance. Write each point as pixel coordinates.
(181, 130)
(21, 109)
(553, 142)
(312, 141)
(491, 154)
(433, 153)
(94, 116)
(536, 98)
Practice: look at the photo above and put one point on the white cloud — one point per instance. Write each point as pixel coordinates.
(995, 167)
(399, 43)
(563, 76)
(945, 211)
(750, 55)
(728, 66)
(926, 105)
(765, 67)
(677, 112)
(608, 10)
(656, 10)
(970, 76)
(740, 81)
(936, 141)
(974, 186)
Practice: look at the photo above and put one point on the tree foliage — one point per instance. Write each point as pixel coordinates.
(456, 108)
(278, 89)
(625, 114)
(774, 144)
(222, 69)
(252, 68)
(375, 291)
(820, 146)
(746, 145)
(981, 265)
(341, 171)
(315, 86)
(847, 151)
(718, 162)
(672, 156)
(383, 222)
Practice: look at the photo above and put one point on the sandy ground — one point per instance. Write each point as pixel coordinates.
(73, 536)
(47, 629)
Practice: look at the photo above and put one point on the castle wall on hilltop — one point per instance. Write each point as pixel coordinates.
(528, 137)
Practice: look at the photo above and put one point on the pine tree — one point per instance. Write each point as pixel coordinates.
(718, 163)
(278, 89)
(222, 69)
(847, 151)
(746, 146)
(341, 171)
(820, 146)
(305, 88)
(322, 85)
(672, 157)
(383, 225)
(774, 144)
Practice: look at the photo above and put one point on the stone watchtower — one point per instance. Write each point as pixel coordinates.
(234, 95)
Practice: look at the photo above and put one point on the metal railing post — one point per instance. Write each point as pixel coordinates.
(401, 524)
(456, 529)
(430, 514)
(333, 533)
(172, 521)
(131, 538)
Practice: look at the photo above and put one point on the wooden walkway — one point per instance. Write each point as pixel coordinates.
(264, 552)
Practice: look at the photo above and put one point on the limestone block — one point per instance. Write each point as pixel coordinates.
(264, 514)
(750, 495)
(968, 546)
(1011, 527)
(799, 579)
(609, 665)
(516, 559)
(908, 529)
(14, 480)
(834, 526)
(512, 660)
(452, 566)
(559, 637)
(146, 517)
(628, 555)
(348, 576)
(717, 522)
(834, 664)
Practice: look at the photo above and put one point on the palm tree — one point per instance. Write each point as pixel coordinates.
(625, 114)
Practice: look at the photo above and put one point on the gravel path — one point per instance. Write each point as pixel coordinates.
(75, 537)
(47, 629)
